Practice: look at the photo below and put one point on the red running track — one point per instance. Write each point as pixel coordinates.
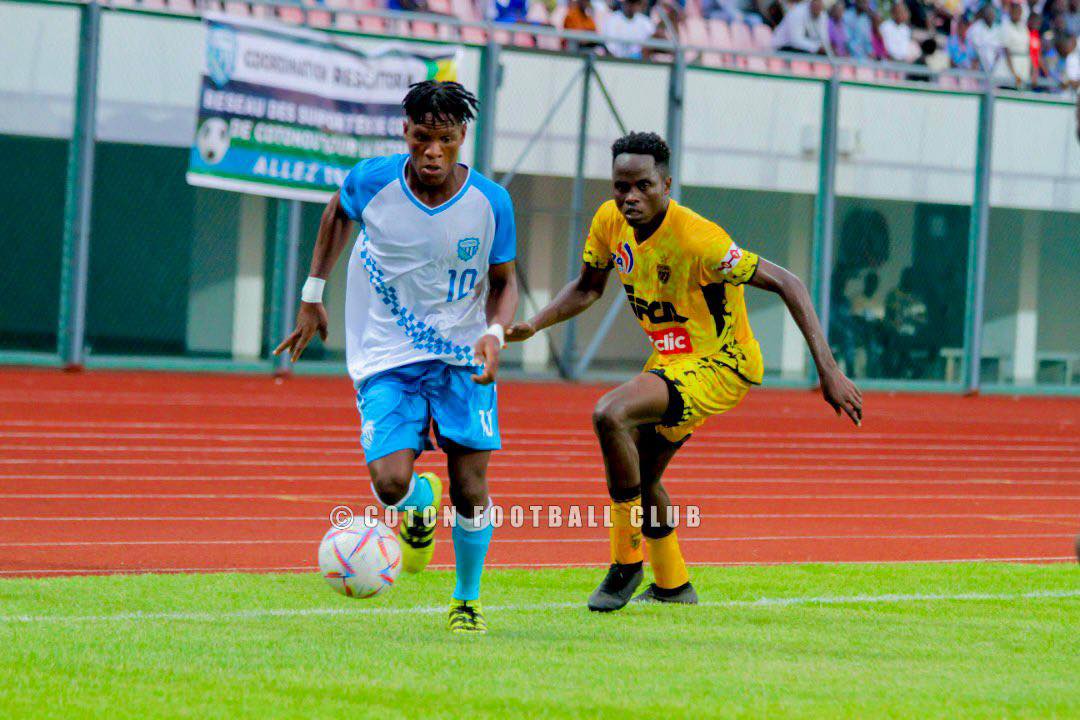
(132, 472)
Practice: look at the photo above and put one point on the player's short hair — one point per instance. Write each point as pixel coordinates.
(442, 100)
(644, 143)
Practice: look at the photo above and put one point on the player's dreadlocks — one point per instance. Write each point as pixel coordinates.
(442, 101)
(644, 143)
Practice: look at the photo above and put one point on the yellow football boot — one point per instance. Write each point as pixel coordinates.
(417, 537)
(466, 618)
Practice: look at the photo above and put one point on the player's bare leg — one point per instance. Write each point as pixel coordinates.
(396, 484)
(672, 582)
(471, 534)
(616, 420)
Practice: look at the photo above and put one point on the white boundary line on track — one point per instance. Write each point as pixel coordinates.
(764, 602)
(512, 541)
(531, 566)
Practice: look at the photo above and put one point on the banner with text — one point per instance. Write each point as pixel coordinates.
(286, 112)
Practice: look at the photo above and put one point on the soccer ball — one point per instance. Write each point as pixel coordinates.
(360, 561)
(213, 140)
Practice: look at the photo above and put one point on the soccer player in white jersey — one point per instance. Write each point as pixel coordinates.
(430, 288)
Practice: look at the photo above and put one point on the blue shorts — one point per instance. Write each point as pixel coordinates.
(398, 407)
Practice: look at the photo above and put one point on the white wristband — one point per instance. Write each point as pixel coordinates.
(313, 289)
(498, 332)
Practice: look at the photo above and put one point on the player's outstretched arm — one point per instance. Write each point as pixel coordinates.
(334, 230)
(502, 302)
(838, 390)
(573, 299)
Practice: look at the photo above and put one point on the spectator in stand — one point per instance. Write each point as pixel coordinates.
(1072, 18)
(804, 29)
(859, 22)
(933, 56)
(1070, 74)
(732, 11)
(630, 25)
(961, 52)
(985, 38)
(579, 16)
(1017, 45)
(896, 34)
(1035, 45)
(509, 11)
(837, 30)
(408, 5)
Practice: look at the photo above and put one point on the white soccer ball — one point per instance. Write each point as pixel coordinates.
(213, 140)
(360, 561)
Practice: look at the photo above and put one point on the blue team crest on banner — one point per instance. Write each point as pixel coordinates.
(221, 54)
(467, 247)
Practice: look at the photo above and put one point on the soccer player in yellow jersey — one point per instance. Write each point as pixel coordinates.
(683, 277)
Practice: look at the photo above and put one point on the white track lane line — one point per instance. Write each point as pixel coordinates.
(844, 456)
(325, 497)
(763, 602)
(728, 467)
(353, 429)
(517, 541)
(671, 476)
(323, 518)
(561, 442)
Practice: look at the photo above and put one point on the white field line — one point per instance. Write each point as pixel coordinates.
(842, 456)
(671, 477)
(325, 497)
(501, 540)
(1005, 517)
(533, 565)
(762, 602)
(353, 429)
(560, 442)
(729, 467)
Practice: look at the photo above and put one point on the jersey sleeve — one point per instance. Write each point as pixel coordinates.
(724, 261)
(504, 245)
(597, 251)
(365, 179)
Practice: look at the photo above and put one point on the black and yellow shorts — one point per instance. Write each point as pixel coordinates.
(699, 388)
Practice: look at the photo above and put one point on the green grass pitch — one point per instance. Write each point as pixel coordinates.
(786, 641)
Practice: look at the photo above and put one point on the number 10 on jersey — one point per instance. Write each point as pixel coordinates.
(461, 285)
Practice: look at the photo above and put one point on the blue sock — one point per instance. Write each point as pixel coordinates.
(470, 549)
(419, 496)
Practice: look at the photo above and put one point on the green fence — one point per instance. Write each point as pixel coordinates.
(184, 277)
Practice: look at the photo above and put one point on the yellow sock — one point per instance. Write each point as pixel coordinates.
(669, 569)
(625, 538)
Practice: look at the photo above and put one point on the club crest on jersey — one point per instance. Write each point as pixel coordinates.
(731, 259)
(624, 258)
(467, 247)
(663, 273)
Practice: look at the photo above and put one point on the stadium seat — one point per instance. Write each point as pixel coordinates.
(186, 7)
(741, 40)
(847, 72)
(524, 39)
(319, 18)
(154, 4)
(798, 67)
(423, 29)
(440, 6)
(347, 22)
(502, 37)
(537, 14)
(558, 15)
(372, 24)
(239, 9)
(720, 35)
(822, 70)
(290, 14)
(695, 32)
(864, 74)
(693, 9)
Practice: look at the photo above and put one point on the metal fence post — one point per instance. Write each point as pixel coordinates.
(978, 229)
(573, 254)
(676, 95)
(825, 202)
(488, 92)
(286, 252)
(78, 194)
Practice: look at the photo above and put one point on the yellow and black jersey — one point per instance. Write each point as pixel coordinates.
(684, 285)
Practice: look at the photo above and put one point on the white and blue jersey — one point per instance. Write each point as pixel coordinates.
(415, 305)
(417, 284)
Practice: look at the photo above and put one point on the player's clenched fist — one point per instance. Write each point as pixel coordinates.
(519, 332)
(310, 319)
